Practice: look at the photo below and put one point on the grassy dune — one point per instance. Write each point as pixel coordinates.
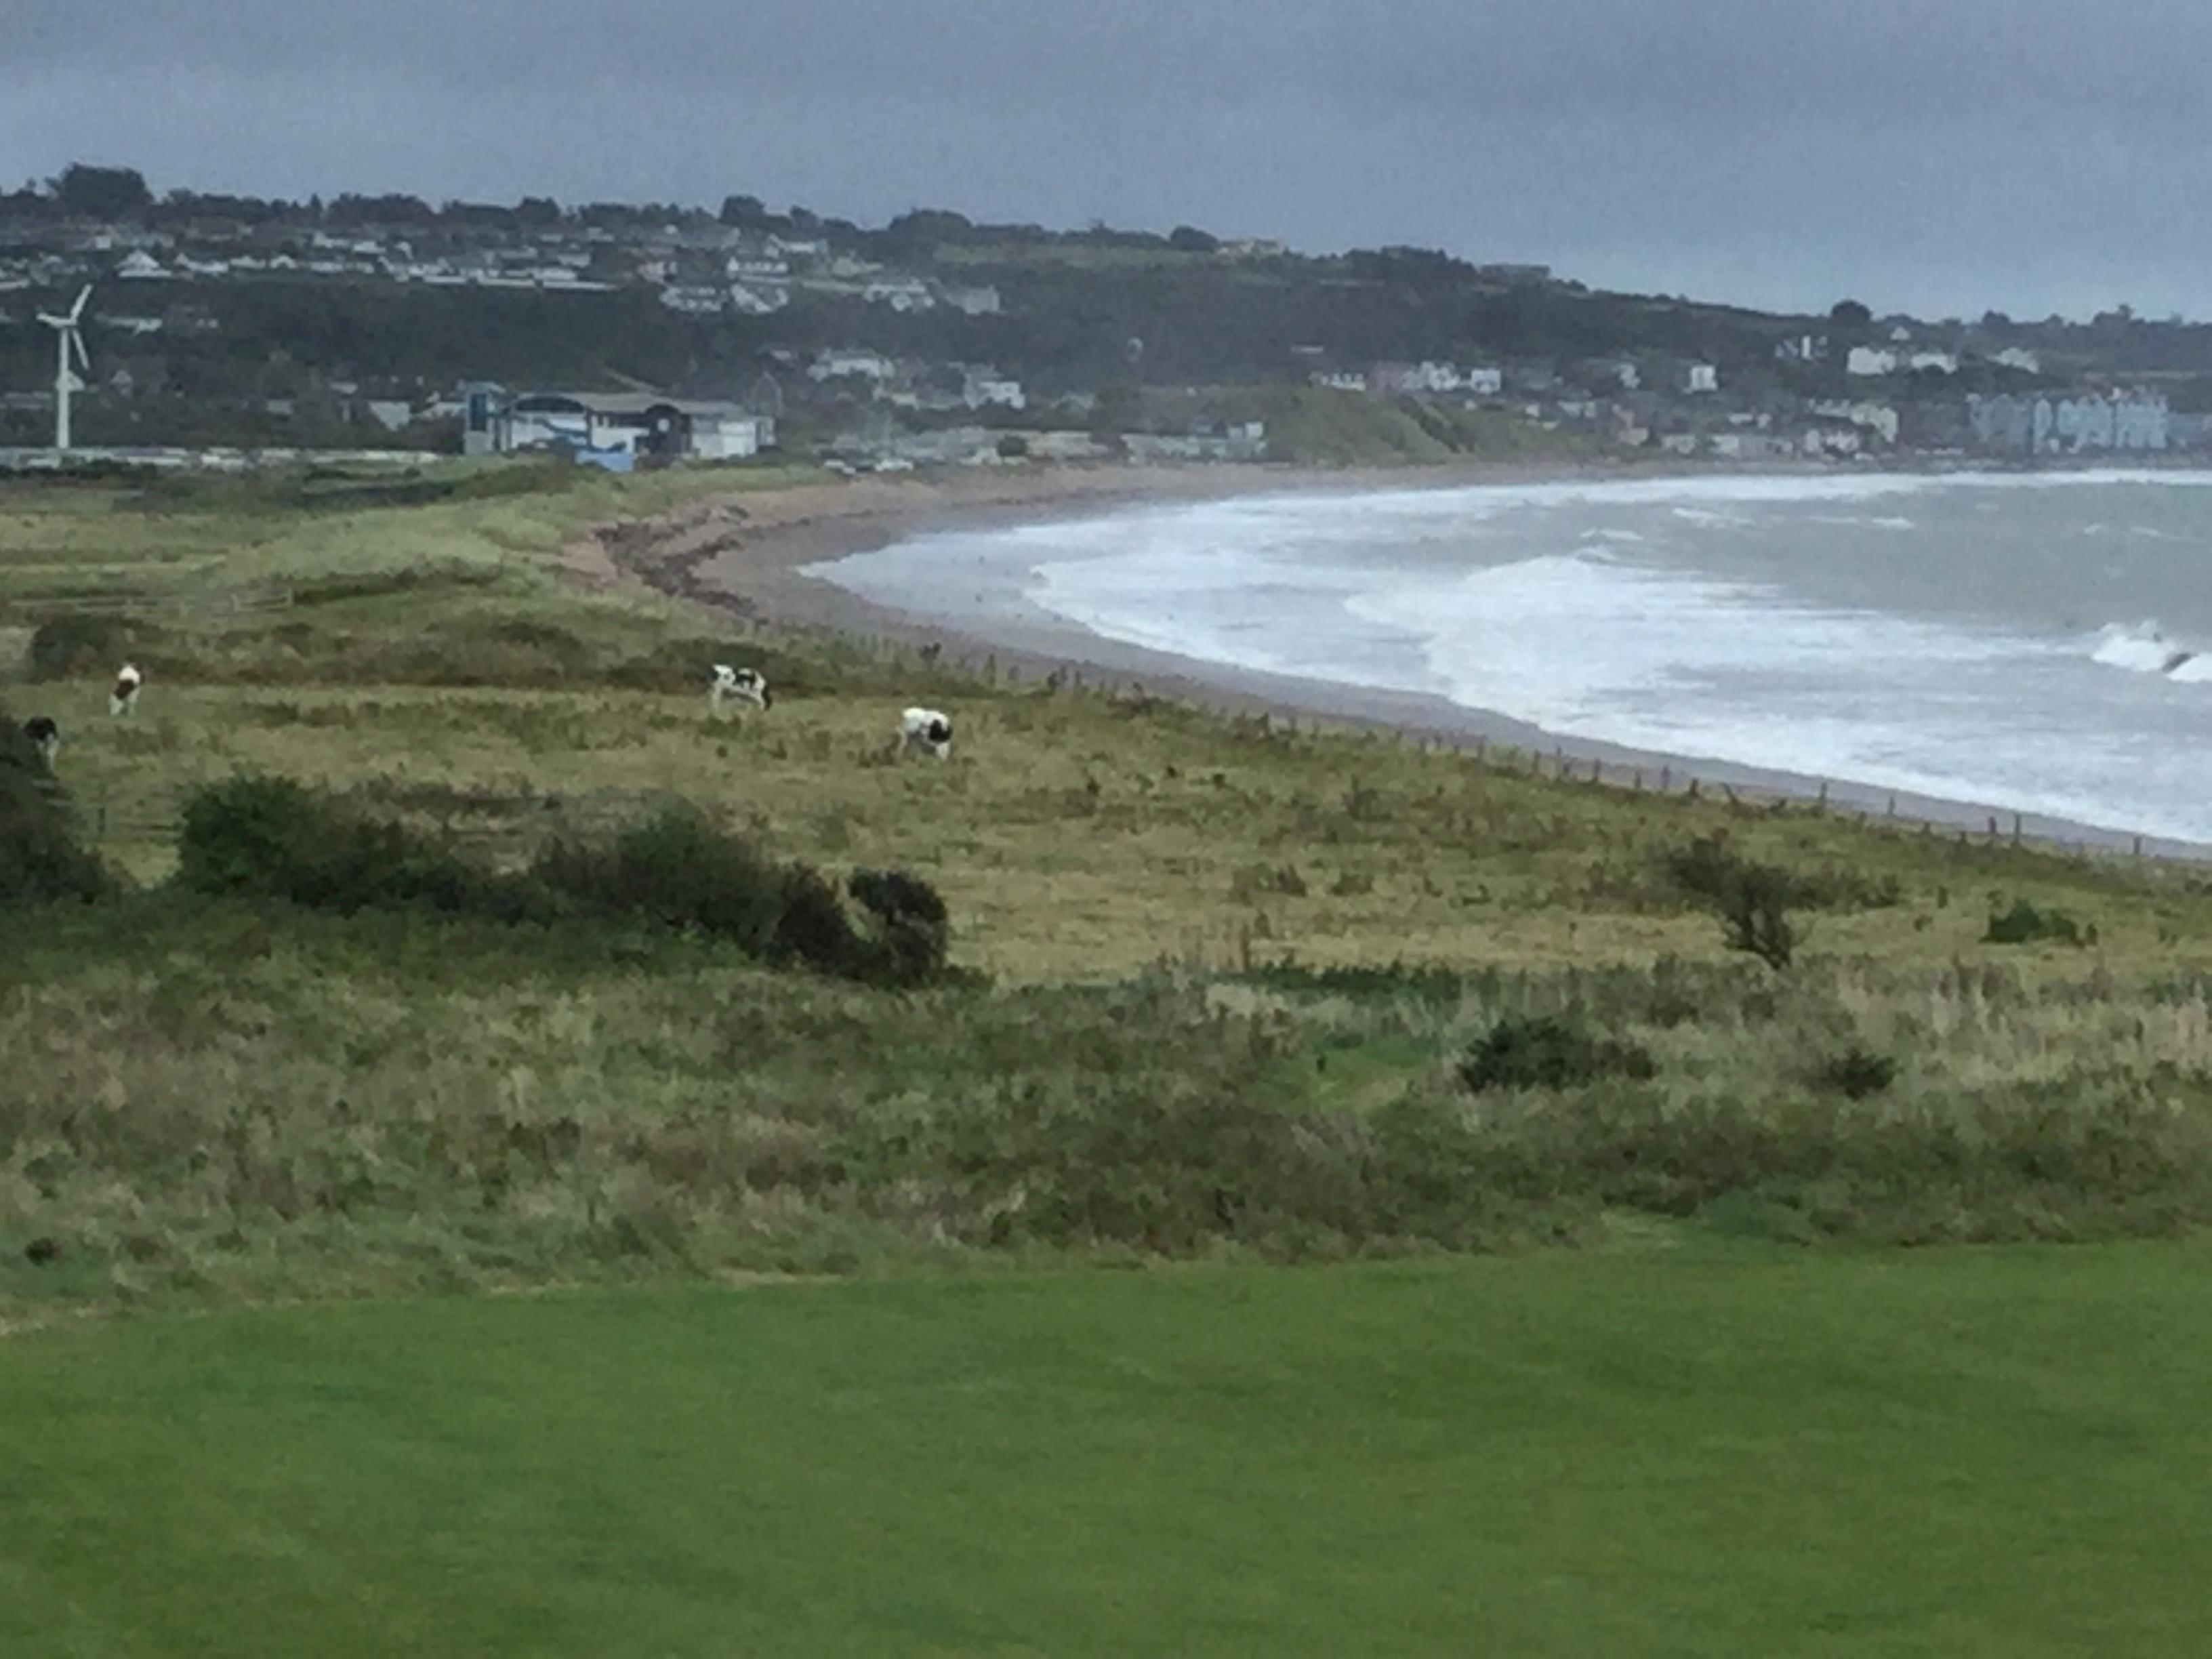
(1973, 1452)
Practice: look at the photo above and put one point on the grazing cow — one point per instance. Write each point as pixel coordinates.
(46, 737)
(124, 699)
(745, 685)
(927, 730)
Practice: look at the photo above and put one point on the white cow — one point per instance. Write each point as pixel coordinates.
(124, 699)
(745, 685)
(925, 730)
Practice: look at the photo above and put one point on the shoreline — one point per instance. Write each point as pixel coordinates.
(745, 553)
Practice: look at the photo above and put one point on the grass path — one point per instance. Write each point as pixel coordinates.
(1993, 1452)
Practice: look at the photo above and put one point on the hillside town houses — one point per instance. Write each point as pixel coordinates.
(1828, 393)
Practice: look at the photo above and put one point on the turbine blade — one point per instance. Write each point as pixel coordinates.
(77, 310)
(82, 355)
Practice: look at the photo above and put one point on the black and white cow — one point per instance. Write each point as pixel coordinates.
(745, 685)
(926, 731)
(46, 737)
(124, 699)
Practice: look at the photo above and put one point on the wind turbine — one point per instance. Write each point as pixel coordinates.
(67, 333)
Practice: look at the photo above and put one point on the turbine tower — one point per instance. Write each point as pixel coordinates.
(68, 335)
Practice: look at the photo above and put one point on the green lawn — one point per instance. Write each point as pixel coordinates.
(1702, 1452)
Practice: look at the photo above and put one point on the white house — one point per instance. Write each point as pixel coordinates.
(982, 387)
(837, 364)
(1881, 419)
(1870, 360)
(900, 294)
(1701, 377)
(693, 301)
(980, 300)
(1942, 363)
(614, 427)
(756, 268)
(140, 266)
(2019, 357)
(1485, 382)
(759, 299)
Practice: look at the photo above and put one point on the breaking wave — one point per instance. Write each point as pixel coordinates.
(2141, 648)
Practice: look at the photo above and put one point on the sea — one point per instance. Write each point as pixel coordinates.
(2037, 641)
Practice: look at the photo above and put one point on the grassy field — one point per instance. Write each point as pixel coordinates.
(435, 661)
(1961, 1453)
(1231, 971)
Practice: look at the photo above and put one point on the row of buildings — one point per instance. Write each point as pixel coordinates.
(694, 270)
(615, 430)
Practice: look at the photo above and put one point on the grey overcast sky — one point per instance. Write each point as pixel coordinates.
(1941, 156)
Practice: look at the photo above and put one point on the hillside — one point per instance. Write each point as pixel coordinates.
(337, 324)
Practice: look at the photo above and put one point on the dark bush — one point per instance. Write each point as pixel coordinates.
(1548, 1053)
(269, 837)
(1753, 901)
(680, 870)
(811, 925)
(913, 931)
(40, 857)
(2024, 924)
(1857, 1073)
(677, 870)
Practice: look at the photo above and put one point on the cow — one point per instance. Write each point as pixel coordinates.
(124, 699)
(745, 685)
(927, 730)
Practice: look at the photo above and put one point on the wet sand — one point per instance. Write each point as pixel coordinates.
(745, 553)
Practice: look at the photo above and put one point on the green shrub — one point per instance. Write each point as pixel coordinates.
(2024, 924)
(269, 837)
(810, 925)
(1858, 1071)
(1753, 901)
(40, 857)
(681, 872)
(913, 932)
(1548, 1053)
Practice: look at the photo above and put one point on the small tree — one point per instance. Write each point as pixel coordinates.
(1753, 901)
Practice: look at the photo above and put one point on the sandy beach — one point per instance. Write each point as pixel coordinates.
(745, 553)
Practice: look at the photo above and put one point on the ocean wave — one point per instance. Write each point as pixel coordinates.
(1535, 599)
(1866, 521)
(2142, 648)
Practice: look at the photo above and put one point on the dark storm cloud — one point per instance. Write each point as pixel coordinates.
(1946, 156)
